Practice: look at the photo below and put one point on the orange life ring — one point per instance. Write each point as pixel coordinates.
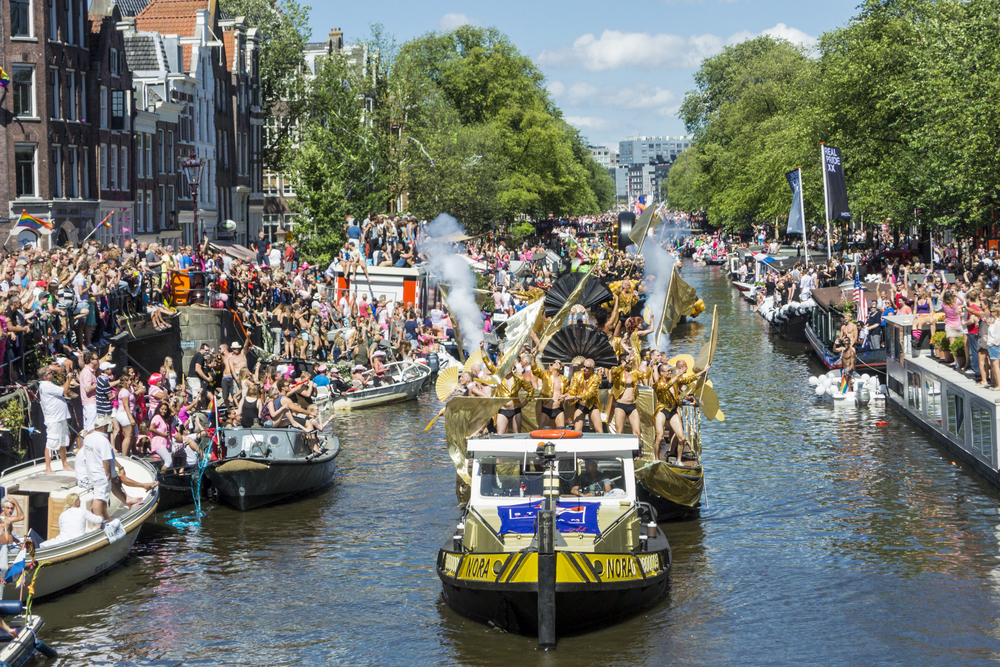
(553, 434)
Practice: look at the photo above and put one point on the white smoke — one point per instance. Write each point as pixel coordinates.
(657, 264)
(445, 266)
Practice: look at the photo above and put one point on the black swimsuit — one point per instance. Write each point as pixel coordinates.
(552, 412)
(628, 408)
(510, 413)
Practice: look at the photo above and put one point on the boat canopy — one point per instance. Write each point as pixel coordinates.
(590, 444)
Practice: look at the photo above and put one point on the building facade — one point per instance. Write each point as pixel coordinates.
(604, 156)
(651, 150)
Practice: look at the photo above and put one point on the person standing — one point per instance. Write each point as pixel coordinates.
(262, 247)
(99, 459)
(88, 389)
(56, 414)
(197, 373)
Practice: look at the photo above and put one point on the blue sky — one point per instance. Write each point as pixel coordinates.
(614, 68)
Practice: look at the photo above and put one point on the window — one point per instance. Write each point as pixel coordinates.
(138, 211)
(125, 182)
(115, 62)
(982, 432)
(52, 20)
(85, 176)
(118, 110)
(288, 190)
(113, 169)
(933, 387)
(73, 174)
(104, 166)
(170, 205)
(71, 95)
(83, 97)
(139, 171)
(104, 108)
(149, 210)
(54, 111)
(270, 183)
(913, 391)
(159, 147)
(271, 224)
(56, 172)
(170, 152)
(24, 166)
(22, 79)
(20, 18)
(955, 404)
(70, 37)
(163, 207)
(149, 156)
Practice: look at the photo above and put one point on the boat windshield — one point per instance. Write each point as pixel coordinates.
(508, 476)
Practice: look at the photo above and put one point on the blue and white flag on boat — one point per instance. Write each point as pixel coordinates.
(571, 517)
(17, 567)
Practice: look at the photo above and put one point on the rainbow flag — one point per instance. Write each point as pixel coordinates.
(844, 385)
(4, 78)
(28, 221)
(105, 221)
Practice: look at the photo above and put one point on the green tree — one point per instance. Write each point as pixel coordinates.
(686, 184)
(284, 31)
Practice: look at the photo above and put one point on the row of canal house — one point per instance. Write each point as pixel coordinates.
(105, 102)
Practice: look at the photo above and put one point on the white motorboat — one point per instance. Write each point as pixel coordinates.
(828, 386)
(42, 496)
(402, 381)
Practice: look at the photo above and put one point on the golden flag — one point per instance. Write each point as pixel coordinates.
(680, 301)
(642, 226)
(558, 321)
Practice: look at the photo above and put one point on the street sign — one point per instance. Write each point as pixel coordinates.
(189, 345)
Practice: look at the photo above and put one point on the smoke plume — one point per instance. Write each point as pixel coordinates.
(445, 266)
(657, 263)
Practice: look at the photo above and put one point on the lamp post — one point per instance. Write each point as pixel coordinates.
(192, 170)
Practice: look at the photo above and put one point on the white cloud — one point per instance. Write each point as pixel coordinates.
(780, 31)
(594, 123)
(615, 49)
(450, 21)
(634, 96)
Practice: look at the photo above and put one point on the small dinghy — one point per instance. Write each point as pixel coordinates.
(403, 380)
(261, 466)
(17, 651)
(41, 497)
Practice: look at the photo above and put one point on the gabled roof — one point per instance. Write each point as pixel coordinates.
(140, 51)
(170, 17)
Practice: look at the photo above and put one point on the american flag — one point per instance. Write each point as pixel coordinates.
(859, 298)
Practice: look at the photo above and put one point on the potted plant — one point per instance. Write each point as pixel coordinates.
(940, 343)
(958, 351)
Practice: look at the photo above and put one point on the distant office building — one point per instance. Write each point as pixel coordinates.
(619, 174)
(651, 150)
(604, 156)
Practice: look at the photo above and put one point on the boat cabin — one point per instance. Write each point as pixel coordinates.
(826, 319)
(267, 443)
(595, 477)
(943, 402)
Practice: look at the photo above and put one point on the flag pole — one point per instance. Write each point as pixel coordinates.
(826, 203)
(802, 207)
(96, 227)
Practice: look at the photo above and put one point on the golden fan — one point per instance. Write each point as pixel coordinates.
(475, 358)
(683, 357)
(710, 404)
(446, 383)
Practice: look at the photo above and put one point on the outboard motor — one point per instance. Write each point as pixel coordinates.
(433, 363)
(862, 397)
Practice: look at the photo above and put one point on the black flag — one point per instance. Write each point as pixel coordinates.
(834, 184)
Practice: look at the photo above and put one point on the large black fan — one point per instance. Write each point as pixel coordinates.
(578, 342)
(594, 294)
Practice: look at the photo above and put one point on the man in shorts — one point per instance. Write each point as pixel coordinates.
(56, 414)
(99, 459)
(848, 357)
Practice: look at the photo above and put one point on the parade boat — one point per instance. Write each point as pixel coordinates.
(261, 466)
(402, 381)
(42, 496)
(823, 328)
(176, 488)
(19, 650)
(946, 404)
(672, 489)
(611, 559)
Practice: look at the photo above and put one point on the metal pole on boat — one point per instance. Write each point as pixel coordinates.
(547, 556)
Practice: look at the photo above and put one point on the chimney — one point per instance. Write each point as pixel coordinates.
(336, 41)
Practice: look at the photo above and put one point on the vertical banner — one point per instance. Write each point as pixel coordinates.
(835, 185)
(796, 219)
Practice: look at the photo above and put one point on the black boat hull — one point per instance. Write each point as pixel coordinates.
(250, 483)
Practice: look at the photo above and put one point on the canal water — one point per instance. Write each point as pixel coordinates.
(825, 540)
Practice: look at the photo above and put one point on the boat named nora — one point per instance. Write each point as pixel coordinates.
(609, 557)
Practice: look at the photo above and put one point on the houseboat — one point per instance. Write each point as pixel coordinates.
(823, 328)
(948, 405)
